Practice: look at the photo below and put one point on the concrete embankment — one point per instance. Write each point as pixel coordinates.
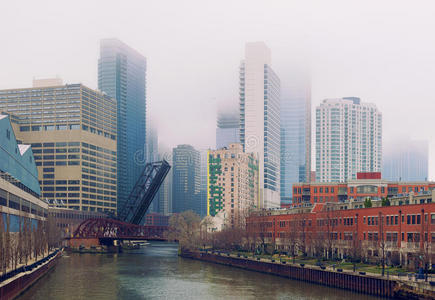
(12, 287)
(366, 284)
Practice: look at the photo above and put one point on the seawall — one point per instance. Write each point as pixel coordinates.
(365, 284)
(15, 286)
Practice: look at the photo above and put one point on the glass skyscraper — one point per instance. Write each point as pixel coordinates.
(186, 180)
(406, 160)
(295, 133)
(122, 75)
(227, 131)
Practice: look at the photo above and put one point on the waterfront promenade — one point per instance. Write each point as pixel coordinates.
(19, 280)
(362, 282)
(157, 272)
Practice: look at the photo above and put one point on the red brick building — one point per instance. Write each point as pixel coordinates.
(366, 185)
(155, 219)
(405, 233)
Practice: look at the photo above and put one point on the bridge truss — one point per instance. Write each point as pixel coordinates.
(126, 226)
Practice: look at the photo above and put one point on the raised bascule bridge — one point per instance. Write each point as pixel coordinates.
(126, 226)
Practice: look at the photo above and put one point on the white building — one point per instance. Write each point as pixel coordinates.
(260, 118)
(348, 139)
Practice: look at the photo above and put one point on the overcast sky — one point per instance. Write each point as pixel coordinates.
(381, 51)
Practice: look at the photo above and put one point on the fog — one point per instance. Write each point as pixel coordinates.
(380, 51)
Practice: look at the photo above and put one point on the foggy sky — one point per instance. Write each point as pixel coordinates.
(380, 51)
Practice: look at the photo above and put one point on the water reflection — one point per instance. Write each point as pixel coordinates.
(156, 272)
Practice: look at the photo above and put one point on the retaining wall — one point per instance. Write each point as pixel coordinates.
(357, 283)
(15, 286)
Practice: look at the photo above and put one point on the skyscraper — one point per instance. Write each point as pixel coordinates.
(227, 131)
(348, 139)
(406, 160)
(295, 133)
(122, 75)
(152, 155)
(260, 118)
(72, 130)
(203, 190)
(186, 181)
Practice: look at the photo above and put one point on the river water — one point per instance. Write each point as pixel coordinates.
(156, 272)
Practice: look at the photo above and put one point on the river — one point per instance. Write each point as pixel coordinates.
(156, 272)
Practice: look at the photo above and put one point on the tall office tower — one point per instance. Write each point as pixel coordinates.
(348, 139)
(406, 160)
(203, 189)
(122, 75)
(152, 149)
(295, 133)
(72, 130)
(165, 193)
(152, 155)
(186, 181)
(227, 131)
(260, 119)
(232, 184)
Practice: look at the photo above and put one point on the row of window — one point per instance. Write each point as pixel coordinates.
(15, 202)
(361, 189)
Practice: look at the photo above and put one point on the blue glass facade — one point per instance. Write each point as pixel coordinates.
(295, 135)
(17, 160)
(227, 131)
(186, 182)
(122, 75)
(406, 160)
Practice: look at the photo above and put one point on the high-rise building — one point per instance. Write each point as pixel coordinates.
(232, 184)
(122, 75)
(152, 149)
(295, 133)
(165, 191)
(260, 119)
(227, 131)
(406, 160)
(72, 130)
(152, 155)
(186, 179)
(203, 189)
(348, 139)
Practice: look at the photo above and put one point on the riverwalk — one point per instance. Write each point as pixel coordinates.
(15, 282)
(367, 283)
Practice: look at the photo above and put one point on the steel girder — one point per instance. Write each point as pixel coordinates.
(113, 229)
(144, 191)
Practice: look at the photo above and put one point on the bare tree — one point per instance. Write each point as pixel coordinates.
(184, 227)
(8, 244)
(302, 238)
(329, 232)
(292, 238)
(2, 246)
(426, 251)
